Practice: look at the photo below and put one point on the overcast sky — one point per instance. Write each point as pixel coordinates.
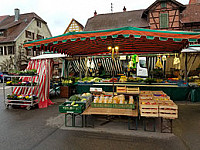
(58, 13)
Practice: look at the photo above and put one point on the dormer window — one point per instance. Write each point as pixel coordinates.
(163, 4)
(39, 24)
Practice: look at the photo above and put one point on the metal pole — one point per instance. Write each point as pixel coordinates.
(186, 67)
(113, 72)
(191, 64)
(80, 69)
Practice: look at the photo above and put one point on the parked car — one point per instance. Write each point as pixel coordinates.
(5, 76)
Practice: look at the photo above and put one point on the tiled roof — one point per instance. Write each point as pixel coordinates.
(191, 13)
(3, 17)
(18, 26)
(116, 20)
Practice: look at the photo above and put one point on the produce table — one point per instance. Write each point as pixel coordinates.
(112, 112)
(176, 93)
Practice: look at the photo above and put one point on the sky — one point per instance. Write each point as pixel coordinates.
(59, 13)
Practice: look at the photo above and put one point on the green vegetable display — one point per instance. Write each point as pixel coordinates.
(74, 98)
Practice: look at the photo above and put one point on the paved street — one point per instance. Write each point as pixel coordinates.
(22, 129)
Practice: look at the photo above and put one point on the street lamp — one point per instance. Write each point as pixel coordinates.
(113, 50)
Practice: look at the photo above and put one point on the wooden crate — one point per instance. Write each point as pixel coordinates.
(165, 102)
(157, 92)
(149, 110)
(121, 89)
(145, 98)
(145, 92)
(131, 90)
(161, 98)
(169, 111)
(65, 91)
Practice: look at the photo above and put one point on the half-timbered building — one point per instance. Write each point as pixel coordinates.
(162, 15)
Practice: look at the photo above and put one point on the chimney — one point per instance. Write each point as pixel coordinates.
(194, 1)
(95, 13)
(16, 14)
(124, 9)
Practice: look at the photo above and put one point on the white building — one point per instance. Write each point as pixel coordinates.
(14, 31)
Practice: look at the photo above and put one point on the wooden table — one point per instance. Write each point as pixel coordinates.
(112, 112)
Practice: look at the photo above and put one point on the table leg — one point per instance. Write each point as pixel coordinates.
(129, 123)
(67, 121)
(166, 124)
(145, 124)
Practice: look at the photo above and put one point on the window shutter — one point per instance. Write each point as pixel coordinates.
(164, 22)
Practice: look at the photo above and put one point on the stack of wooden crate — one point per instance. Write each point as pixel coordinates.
(157, 104)
(148, 107)
(128, 90)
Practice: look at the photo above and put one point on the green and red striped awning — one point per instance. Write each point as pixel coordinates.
(129, 40)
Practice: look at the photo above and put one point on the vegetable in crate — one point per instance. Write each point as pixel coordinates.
(74, 98)
(86, 94)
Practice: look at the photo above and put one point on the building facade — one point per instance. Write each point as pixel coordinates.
(74, 26)
(162, 15)
(14, 31)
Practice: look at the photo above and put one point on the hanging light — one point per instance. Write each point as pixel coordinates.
(116, 48)
(109, 47)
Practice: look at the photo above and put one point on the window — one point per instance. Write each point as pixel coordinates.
(164, 22)
(1, 50)
(40, 37)
(143, 63)
(163, 4)
(10, 50)
(1, 33)
(39, 24)
(29, 52)
(29, 35)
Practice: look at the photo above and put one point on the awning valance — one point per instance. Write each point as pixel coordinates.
(129, 40)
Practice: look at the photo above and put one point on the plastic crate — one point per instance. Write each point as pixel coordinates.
(124, 106)
(101, 105)
(72, 109)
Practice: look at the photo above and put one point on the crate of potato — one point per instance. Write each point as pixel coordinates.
(148, 108)
(168, 109)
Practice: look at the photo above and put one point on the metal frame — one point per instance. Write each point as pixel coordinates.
(29, 103)
(73, 119)
(166, 124)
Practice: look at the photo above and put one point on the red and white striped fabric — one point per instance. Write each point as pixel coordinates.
(44, 71)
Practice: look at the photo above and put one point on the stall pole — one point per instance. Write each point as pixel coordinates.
(113, 59)
(80, 68)
(186, 67)
(191, 65)
(86, 67)
(67, 68)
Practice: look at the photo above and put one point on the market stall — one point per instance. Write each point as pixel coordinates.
(115, 42)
